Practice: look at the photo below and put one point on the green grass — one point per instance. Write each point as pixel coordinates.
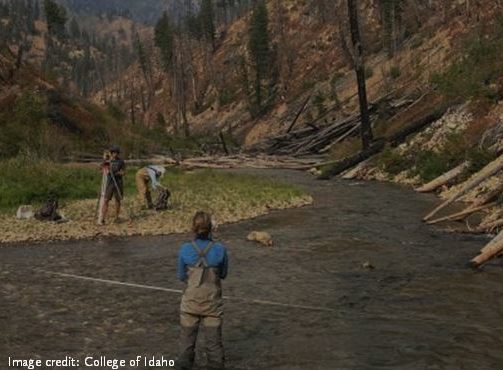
(208, 185)
(24, 181)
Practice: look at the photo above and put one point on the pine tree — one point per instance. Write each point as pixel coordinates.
(193, 26)
(75, 29)
(259, 49)
(30, 19)
(36, 10)
(144, 60)
(207, 17)
(391, 15)
(164, 41)
(56, 18)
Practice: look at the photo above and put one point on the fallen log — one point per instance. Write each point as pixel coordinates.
(341, 138)
(491, 250)
(463, 214)
(400, 136)
(490, 196)
(486, 172)
(297, 116)
(443, 179)
(378, 146)
(242, 161)
(347, 163)
(489, 226)
(352, 173)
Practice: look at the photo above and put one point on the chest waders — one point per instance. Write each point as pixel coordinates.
(142, 180)
(203, 293)
(201, 308)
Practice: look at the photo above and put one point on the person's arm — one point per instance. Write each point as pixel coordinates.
(181, 272)
(122, 169)
(224, 266)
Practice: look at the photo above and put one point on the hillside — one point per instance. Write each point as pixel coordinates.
(146, 11)
(209, 90)
(309, 60)
(39, 119)
(83, 51)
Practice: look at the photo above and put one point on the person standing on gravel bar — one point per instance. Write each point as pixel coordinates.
(115, 183)
(146, 177)
(202, 264)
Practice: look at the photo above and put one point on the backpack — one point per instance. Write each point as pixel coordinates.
(48, 211)
(161, 203)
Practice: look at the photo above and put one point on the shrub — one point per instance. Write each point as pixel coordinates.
(395, 72)
(225, 97)
(319, 103)
(479, 158)
(308, 85)
(336, 78)
(369, 72)
(392, 161)
(474, 73)
(430, 164)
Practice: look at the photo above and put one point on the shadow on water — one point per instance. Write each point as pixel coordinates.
(418, 309)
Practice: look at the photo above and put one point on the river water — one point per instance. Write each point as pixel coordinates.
(419, 308)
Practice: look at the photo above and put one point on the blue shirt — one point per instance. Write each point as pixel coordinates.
(188, 257)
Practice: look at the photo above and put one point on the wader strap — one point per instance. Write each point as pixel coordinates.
(202, 253)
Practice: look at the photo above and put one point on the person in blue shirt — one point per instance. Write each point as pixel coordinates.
(202, 264)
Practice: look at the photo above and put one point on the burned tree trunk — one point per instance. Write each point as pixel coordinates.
(359, 65)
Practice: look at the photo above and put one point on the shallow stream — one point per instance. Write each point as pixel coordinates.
(420, 308)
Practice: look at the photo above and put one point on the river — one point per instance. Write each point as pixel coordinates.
(419, 308)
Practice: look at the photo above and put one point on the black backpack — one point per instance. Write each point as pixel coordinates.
(49, 211)
(161, 203)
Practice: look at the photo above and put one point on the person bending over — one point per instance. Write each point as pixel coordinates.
(202, 264)
(145, 178)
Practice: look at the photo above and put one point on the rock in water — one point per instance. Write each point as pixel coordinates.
(261, 237)
(25, 212)
(367, 265)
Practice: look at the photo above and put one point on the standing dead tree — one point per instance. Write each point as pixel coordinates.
(359, 66)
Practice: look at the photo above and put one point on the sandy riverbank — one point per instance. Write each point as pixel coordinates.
(230, 198)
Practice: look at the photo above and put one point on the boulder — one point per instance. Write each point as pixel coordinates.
(261, 237)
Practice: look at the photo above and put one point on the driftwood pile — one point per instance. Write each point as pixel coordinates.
(320, 139)
(338, 167)
(313, 139)
(221, 162)
(248, 161)
(486, 201)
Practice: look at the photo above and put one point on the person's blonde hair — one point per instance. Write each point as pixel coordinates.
(201, 224)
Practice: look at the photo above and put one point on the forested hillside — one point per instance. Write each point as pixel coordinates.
(39, 119)
(83, 53)
(248, 70)
(249, 75)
